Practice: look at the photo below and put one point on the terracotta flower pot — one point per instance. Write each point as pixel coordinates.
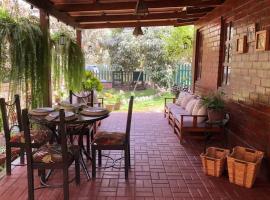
(110, 107)
(117, 106)
(215, 115)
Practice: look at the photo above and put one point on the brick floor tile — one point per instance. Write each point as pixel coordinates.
(161, 169)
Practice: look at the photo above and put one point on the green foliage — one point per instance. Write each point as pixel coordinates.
(67, 62)
(22, 56)
(145, 52)
(176, 41)
(91, 82)
(156, 52)
(214, 101)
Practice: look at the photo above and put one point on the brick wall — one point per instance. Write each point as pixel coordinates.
(249, 89)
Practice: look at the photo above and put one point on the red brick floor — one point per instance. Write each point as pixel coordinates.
(161, 169)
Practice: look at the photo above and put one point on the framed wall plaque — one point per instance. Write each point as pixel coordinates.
(262, 40)
(251, 32)
(241, 44)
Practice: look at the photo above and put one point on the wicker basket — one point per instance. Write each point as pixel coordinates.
(214, 161)
(244, 165)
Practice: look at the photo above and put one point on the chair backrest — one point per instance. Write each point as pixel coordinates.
(11, 115)
(85, 98)
(129, 117)
(61, 129)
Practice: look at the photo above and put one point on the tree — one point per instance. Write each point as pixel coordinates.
(156, 52)
(179, 43)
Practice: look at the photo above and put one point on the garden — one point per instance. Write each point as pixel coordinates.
(149, 100)
(26, 51)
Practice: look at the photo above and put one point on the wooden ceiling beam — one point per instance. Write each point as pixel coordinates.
(48, 7)
(195, 10)
(112, 18)
(134, 24)
(99, 6)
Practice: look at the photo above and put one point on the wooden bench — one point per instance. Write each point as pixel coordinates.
(185, 124)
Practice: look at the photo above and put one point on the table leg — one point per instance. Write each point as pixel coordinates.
(84, 166)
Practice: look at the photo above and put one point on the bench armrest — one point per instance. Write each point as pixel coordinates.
(169, 98)
(194, 119)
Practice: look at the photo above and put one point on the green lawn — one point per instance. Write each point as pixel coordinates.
(149, 100)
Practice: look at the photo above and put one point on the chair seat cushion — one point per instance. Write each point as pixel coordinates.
(51, 153)
(109, 138)
(37, 136)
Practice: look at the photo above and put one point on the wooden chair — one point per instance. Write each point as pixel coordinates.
(113, 141)
(14, 136)
(50, 156)
(87, 98)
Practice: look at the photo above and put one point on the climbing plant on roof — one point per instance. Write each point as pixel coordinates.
(67, 62)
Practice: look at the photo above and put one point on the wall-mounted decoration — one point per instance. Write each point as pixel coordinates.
(241, 44)
(251, 32)
(262, 40)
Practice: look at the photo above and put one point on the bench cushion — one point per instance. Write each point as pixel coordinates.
(188, 122)
(186, 99)
(177, 111)
(180, 98)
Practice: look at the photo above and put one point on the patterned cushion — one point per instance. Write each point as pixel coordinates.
(37, 136)
(109, 138)
(51, 153)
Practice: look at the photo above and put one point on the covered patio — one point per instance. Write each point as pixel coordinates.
(230, 53)
(161, 168)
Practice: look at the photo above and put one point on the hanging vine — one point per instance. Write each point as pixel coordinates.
(67, 62)
(26, 53)
(22, 56)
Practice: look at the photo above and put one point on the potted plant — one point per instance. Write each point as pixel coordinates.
(91, 82)
(117, 103)
(215, 104)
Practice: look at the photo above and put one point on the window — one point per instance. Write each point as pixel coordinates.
(199, 55)
(227, 58)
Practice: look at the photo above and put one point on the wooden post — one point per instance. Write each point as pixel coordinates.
(79, 37)
(47, 93)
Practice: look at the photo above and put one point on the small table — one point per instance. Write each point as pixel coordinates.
(220, 124)
(79, 119)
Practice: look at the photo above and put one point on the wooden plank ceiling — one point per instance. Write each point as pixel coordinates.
(90, 14)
